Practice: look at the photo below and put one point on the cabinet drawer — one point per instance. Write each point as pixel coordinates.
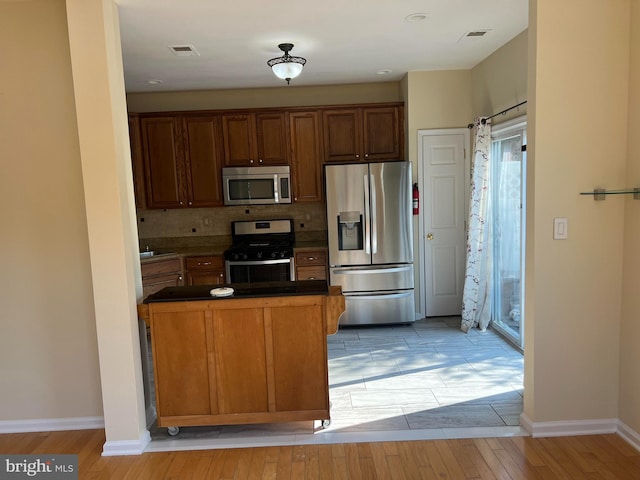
(316, 257)
(161, 267)
(208, 262)
(311, 273)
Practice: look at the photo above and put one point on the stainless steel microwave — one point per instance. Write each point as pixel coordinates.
(256, 185)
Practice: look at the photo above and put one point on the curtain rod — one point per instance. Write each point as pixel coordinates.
(484, 120)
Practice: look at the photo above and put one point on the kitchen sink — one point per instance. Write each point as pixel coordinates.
(147, 254)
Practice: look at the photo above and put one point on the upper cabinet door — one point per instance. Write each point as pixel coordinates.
(203, 159)
(363, 134)
(137, 161)
(161, 145)
(239, 146)
(342, 135)
(271, 138)
(381, 134)
(306, 159)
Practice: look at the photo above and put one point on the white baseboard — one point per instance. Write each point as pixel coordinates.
(126, 447)
(51, 424)
(631, 436)
(569, 427)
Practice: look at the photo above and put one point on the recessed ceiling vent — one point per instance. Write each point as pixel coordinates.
(184, 50)
(473, 35)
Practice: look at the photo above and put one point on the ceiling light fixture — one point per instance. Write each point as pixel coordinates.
(286, 67)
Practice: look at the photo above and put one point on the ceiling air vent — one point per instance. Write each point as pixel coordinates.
(473, 35)
(184, 50)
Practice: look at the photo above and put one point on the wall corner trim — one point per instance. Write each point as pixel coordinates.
(126, 447)
(629, 435)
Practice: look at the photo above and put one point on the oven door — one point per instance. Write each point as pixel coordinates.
(255, 271)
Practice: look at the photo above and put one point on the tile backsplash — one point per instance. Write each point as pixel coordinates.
(309, 219)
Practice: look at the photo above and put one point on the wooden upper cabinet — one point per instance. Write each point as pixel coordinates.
(203, 160)
(137, 161)
(363, 134)
(382, 135)
(254, 139)
(306, 158)
(182, 161)
(342, 134)
(271, 138)
(161, 141)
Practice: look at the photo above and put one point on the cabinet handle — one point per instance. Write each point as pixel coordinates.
(311, 278)
(312, 258)
(203, 263)
(357, 155)
(260, 161)
(366, 155)
(250, 161)
(181, 202)
(190, 203)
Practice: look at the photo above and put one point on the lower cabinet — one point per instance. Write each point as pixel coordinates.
(160, 273)
(205, 270)
(232, 361)
(311, 264)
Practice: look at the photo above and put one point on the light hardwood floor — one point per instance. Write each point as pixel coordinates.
(571, 458)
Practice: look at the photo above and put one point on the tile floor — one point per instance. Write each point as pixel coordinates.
(408, 382)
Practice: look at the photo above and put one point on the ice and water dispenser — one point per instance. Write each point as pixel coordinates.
(350, 231)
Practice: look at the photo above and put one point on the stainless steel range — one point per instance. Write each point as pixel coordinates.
(262, 251)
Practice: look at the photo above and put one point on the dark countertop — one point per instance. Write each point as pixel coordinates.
(241, 290)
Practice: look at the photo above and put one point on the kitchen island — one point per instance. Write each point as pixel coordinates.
(257, 356)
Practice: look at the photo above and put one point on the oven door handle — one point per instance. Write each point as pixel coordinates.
(258, 262)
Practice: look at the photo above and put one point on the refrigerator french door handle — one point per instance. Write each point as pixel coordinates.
(371, 271)
(385, 296)
(367, 231)
(374, 221)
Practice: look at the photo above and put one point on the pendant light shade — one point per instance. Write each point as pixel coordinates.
(286, 67)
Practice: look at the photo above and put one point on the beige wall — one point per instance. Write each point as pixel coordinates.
(579, 124)
(500, 81)
(436, 100)
(630, 331)
(48, 352)
(264, 97)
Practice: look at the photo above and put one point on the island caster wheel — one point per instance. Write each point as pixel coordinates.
(325, 423)
(173, 431)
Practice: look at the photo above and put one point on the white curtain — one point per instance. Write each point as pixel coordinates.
(476, 299)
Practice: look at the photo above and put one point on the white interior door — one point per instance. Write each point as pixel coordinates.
(442, 158)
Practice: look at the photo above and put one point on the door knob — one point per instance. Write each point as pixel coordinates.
(429, 236)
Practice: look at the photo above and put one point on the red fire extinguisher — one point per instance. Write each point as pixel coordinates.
(416, 199)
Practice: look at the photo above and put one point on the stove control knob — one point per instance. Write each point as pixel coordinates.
(244, 256)
(234, 256)
(272, 254)
(259, 255)
(281, 254)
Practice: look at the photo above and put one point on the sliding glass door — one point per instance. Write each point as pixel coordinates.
(508, 159)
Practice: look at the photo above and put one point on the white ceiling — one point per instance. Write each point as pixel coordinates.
(344, 41)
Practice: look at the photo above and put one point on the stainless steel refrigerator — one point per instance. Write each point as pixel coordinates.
(370, 232)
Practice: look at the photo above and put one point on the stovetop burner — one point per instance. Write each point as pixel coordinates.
(261, 240)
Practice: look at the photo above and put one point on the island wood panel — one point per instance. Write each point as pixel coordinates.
(180, 363)
(240, 355)
(242, 360)
(300, 364)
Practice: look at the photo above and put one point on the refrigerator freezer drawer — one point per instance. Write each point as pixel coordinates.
(379, 308)
(368, 279)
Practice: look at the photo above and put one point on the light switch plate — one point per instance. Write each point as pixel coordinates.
(560, 228)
